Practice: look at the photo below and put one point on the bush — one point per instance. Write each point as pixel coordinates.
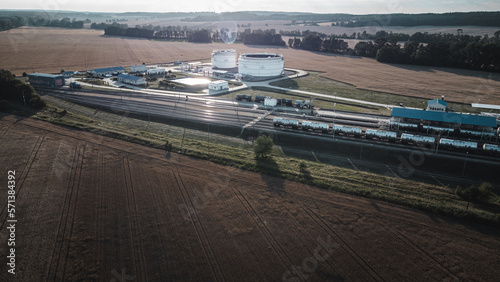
(37, 103)
(263, 146)
(474, 193)
(4, 105)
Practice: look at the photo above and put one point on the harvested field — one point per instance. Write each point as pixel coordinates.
(52, 49)
(95, 208)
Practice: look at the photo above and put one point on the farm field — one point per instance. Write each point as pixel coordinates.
(94, 208)
(51, 49)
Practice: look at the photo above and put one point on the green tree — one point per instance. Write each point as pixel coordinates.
(14, 90)
(312, 42)
(263, 146)
(475, 193)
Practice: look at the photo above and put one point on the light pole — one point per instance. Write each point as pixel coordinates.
(465, 162)
(333, 126)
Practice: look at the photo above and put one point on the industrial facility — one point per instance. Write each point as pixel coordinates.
(260, 66)
(107, 71)
(218, 85)
(130, 79)
(138, 68)
(46, 80)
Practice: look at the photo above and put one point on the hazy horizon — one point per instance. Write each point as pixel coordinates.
(312, 6)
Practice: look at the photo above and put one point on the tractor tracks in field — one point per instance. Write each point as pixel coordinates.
(422, 253)
(199, 228)
(347, 248)
(135, 223)
(66, 219)
(270, 238)
(23, 174)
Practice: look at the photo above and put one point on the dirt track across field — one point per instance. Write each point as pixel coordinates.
(93, 208)
(31, 49)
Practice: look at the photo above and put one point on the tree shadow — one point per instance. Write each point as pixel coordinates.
(270, 173)
(304, 172)
(265, 46)
(457, 71)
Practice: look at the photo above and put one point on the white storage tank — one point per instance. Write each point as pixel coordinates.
(224, 59)
(260, 66)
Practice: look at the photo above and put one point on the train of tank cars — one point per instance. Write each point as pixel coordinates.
(404, 138)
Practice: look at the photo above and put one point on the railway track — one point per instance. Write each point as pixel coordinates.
(231, 113)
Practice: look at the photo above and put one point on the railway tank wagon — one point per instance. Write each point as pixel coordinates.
(285, 122)
(224, 59)
(458, 144)
(491, 149)
(379, 134)
(260, 66)
(319, 126)
(417, 139)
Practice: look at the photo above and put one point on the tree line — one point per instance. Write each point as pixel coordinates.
(477, 53)
(316, 42)
(169, 33)
(447, 19)
(18, 21)
(440, 50)
(7, 23)
(64, 22)
(349, 20)
(248, 36)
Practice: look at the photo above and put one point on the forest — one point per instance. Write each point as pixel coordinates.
(348, 20)
(439, 50)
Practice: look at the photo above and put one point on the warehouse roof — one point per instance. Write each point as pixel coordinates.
(109, 69)
(444, 117)
(485, 106)
(129, 77)
(47, 75)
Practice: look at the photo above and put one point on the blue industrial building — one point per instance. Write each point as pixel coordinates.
(448, 118)
(46, 80)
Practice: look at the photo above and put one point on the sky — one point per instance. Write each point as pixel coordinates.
(314, 6)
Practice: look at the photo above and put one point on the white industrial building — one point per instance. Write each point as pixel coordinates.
(224, 59)
(138, 68)
(260, 66)
(130, 79)
(156, 71)
(108, 71)
(218, 85)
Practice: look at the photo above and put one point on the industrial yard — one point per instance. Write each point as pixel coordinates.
(113, 208)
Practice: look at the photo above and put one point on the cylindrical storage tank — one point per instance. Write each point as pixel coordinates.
(224, 59)
(260, 66)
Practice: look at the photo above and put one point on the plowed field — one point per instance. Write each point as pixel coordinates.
(94, 208)
(52, 49)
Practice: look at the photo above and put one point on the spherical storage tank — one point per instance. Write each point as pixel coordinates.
(260, 66)
(224, 59)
